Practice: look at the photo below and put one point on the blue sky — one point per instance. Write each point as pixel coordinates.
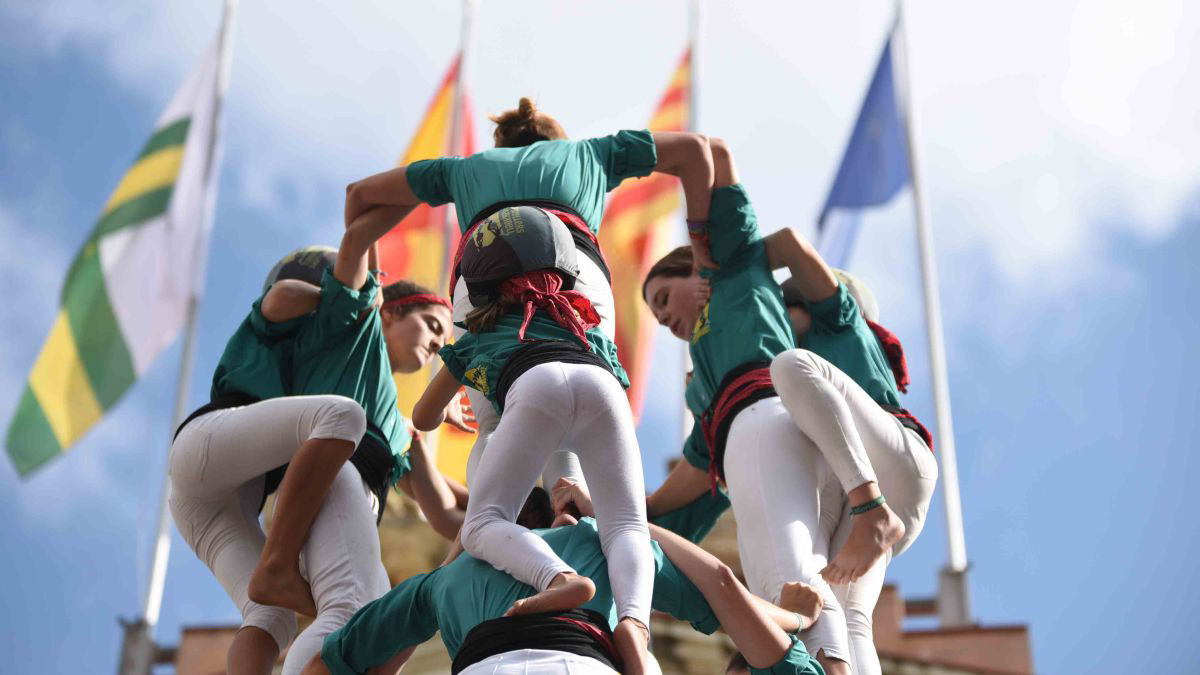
(1059, 159)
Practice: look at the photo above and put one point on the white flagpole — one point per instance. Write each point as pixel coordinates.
(139, 649)
(953, 599)
(694, 17)
(450, 222)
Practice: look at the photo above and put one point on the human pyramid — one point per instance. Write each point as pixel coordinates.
(794, 394)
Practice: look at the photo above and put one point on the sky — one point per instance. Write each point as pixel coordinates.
(1058, 146)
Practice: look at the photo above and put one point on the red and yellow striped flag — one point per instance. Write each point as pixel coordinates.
(635, 234)
(417, 250)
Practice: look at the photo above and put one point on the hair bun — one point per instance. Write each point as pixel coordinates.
(525, 108)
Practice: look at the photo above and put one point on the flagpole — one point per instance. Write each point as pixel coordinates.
(693, 116)
(953, 597)
(450, 221)
(139, 650)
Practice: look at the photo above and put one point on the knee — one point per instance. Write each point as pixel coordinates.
(794, 368)
(471, 532)
(341, 418)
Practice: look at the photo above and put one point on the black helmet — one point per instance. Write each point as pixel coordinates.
(306, 264)
(512, 241)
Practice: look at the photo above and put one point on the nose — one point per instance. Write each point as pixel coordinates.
(662, 317)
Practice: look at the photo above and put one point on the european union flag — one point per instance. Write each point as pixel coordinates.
(873, 169)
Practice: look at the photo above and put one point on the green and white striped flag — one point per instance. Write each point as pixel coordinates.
(128, 290)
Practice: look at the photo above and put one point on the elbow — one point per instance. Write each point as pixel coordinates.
(425, 420)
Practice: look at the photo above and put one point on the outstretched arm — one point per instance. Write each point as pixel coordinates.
(430, 411)
(752, 630)
(389, 188)
(290, 299)
(683, 485)
(361, 234)
(815, 279)
(428, 487)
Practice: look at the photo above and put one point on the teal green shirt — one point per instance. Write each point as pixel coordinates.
(467, 592)
(476, 359)
(695, 520)
(340, 350)
(575, 173)
(795, 660)
(745, 319)
(840, 335)
(257, 357)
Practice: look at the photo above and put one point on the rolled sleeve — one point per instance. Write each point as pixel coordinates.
(625, 154)
(382, 629)
(341, 307)
(835, 313)
(695, 448)
(732, 227)
(676, 595)
(431, 179)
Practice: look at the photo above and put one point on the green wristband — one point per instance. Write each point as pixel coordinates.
(867, 506)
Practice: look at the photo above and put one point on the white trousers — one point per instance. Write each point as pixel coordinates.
(860, 440)
(788, 505)
(216, 467)
(538, 662)
(579, 406)
(562, 463)
(341, 562)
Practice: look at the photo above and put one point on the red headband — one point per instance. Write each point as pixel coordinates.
(419, 299)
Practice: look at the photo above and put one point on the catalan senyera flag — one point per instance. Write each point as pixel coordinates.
(635, 234)
(417, 250)
(128, 290)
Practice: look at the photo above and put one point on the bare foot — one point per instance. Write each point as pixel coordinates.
(567, 591)
(871, 534)
(281, 586)
(802, 599)
(631, 638)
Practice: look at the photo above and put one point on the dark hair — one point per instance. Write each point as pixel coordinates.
(537, 513)
(677, 263)
(525, 126)
(404, 288)
(483, 319)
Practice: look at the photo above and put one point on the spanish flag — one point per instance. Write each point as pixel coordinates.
(420, 248)
(127, 293)
(635, 234)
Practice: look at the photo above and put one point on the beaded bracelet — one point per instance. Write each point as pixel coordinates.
(697, 226)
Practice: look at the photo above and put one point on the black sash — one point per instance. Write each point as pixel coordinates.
(576, 631)
(539, 352)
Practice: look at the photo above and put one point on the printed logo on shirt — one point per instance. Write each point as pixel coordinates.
(702, 327)
(477, 376)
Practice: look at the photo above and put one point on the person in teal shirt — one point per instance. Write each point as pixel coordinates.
(689, 584)
(533, 350)
(534, 162)
(350, 343)
(783, 496)
(219, 465)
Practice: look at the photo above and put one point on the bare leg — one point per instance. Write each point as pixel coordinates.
(276, 580)
(253, 652)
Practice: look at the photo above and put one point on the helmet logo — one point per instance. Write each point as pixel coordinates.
(503, 223)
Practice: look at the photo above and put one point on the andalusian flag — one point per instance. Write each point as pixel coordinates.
(635, 234)
(128, 290)
(421, 247)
